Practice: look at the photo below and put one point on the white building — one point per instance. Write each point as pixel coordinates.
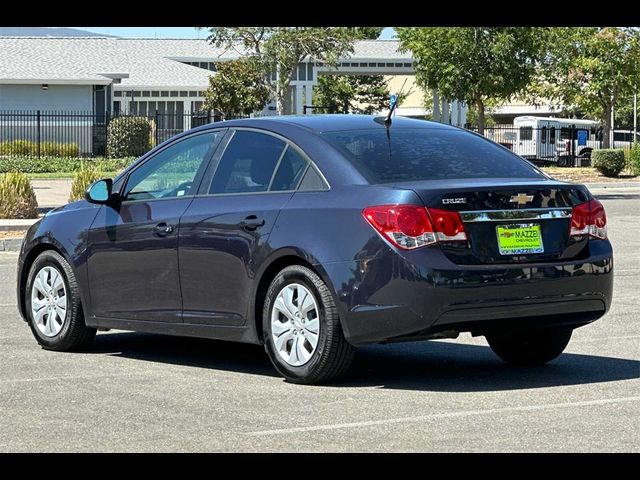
(144, 75)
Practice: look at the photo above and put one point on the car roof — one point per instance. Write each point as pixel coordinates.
(331, 122)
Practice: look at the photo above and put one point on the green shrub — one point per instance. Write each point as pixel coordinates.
(633, 160)
(81, 181)
(18, 147)
(47, 149)
(17, 199)
(61, 165)
(609, 162)
(128, 137)
(55, 149)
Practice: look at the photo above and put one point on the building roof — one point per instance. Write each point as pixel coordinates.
(379, 50)
(141, 63)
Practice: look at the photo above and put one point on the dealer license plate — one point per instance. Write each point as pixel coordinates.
(519, 239)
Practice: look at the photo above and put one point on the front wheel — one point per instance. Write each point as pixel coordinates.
(53, 304)
(534, 347)
(302, 332)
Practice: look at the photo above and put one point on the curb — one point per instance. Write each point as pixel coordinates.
(613, 185)
(17, 224)
(10, 244)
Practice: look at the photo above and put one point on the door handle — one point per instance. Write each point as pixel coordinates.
(251, 222)
(162, 229)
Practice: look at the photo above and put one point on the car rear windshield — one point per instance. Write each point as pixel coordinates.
(427, 154)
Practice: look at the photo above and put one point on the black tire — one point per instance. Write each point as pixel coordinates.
(333, 355)
(534, 347)
(74, 335)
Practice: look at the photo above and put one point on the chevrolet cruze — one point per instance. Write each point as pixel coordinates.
(313, 235)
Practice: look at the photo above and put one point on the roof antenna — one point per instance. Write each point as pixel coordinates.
(387, 121)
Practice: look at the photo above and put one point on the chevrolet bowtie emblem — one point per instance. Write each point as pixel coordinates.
(521, 198)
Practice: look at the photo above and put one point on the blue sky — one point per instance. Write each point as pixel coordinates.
(170, 32)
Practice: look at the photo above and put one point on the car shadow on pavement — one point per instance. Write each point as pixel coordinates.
(187, 351)
(428, 366)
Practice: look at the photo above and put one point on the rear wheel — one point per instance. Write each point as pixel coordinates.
(534, 347)
(302, 331)
(53, 305)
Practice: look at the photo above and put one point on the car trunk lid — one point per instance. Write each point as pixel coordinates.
(496, 213)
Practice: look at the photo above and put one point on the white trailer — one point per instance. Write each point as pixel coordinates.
(552, 139)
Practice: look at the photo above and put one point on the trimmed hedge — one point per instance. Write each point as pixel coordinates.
(65, 165)
(47, 149)
(633, 159)
(609, 162)
(128, 137)
(17, 199)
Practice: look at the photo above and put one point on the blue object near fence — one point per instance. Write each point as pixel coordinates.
(582, 137)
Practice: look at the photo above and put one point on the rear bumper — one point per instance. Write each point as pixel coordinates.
(389, 298)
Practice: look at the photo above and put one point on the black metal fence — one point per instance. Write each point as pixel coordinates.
(563, 146)
(37, 134)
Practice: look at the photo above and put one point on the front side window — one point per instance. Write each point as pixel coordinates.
(171, 172)
(248, 163)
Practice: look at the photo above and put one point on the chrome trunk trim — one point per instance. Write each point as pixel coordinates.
(521, 214)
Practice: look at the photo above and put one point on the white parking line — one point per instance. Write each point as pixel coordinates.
(436, 416)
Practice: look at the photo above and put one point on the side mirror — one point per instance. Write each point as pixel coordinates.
(99, 192)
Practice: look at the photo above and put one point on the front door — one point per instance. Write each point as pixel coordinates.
(224, 232)
(133, 246)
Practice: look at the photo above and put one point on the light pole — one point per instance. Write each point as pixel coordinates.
(635, 118)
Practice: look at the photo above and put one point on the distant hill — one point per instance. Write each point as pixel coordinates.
(47, 32)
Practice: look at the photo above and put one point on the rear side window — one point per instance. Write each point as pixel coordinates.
(248, 163)
(427, 154)
(312, 182)
(289, 171)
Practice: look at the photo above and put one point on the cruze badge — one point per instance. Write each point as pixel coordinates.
(521, 198)
(446, 201)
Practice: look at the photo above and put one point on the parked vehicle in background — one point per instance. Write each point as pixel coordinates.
(624, 138)
(555, 139)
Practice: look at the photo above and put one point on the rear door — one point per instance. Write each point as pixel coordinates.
(224, 233)
(526, 140)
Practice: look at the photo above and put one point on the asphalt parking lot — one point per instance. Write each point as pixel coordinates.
(138, 392)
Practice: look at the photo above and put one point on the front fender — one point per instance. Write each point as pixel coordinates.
(67, 234)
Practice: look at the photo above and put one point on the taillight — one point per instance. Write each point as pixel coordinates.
(447, 225)
(589, 218)
(410, 226)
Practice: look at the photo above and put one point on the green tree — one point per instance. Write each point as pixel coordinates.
(237, 88)
(624, 112)
(279, 50)
(353, 93)
(590, 69)
(473, 64)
